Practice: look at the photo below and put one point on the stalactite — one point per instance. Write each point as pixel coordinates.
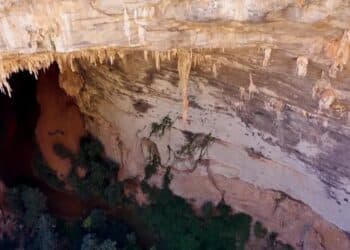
(141, 34)
(144, 12)
(145, 55)
(136, 15)
(215, 71)
(35, 62)
(241, 92)
(163, 56)
(157, 59)
(184, 68)
(267, 55)
(169, 55)
(111, 56)
(5, 87)
(252, 89)
(302, 63)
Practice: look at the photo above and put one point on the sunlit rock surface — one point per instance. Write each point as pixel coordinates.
(269, 80)
(274, 155)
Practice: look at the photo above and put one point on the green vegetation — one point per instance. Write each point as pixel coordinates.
(196, 147)
(176, 226)
(152, 166)
(27, 203)
(46, 173)
(196, 143)
(207, 209)
(29, 206)
(169, 219)
(45, 238)
(40, 231)
(259, 230)
(91, 243)
(99, 180)
(274, 244)
(97, 220)
(159, 128)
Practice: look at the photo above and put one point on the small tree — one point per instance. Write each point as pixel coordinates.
(96, 220)
(91, 243)
(45, 237)
(34, 203)
(207, 209)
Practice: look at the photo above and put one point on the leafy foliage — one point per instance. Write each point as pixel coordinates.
(91, 243)
(196, 143)
(167, 178)
(34, 203)
(45, 237)
(207, 209)
(46, 173)
(169, 218)
(28, 204)
(159, 128)
(275, 244)
(97, 220)
(100, 178)
(176, 226)
(259, 230)
(152, 166)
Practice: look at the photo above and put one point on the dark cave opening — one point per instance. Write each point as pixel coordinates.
(19, 115)
(19, 145)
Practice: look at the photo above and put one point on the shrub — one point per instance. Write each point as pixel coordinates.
(259, 230)
(91, 243)
(275, 244)
(46, 173)
(176, 226)
(45, 237)
(100, 178)
(34, 203)
(223, 208)
(114, 194)
(62, 151)
(152, 166)
(159, 128)
(96, 220)
(90, 149)
(27, 203)
(207, 209)
(14, 202)
(167, 178)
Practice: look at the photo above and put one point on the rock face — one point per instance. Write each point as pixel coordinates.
(256, 96)
(273, 152)
(34, 34)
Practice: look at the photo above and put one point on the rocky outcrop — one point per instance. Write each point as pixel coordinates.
(34, 34)
(273, 153)
(267, 80)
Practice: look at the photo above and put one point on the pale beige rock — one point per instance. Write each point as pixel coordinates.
(48, 28)
(268, 132)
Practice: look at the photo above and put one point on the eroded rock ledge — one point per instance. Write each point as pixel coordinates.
(34, 34)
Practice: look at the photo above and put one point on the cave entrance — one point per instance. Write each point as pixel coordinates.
(19, 115)
(38, 115)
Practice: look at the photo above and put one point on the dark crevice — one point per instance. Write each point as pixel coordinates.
(19, 115)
